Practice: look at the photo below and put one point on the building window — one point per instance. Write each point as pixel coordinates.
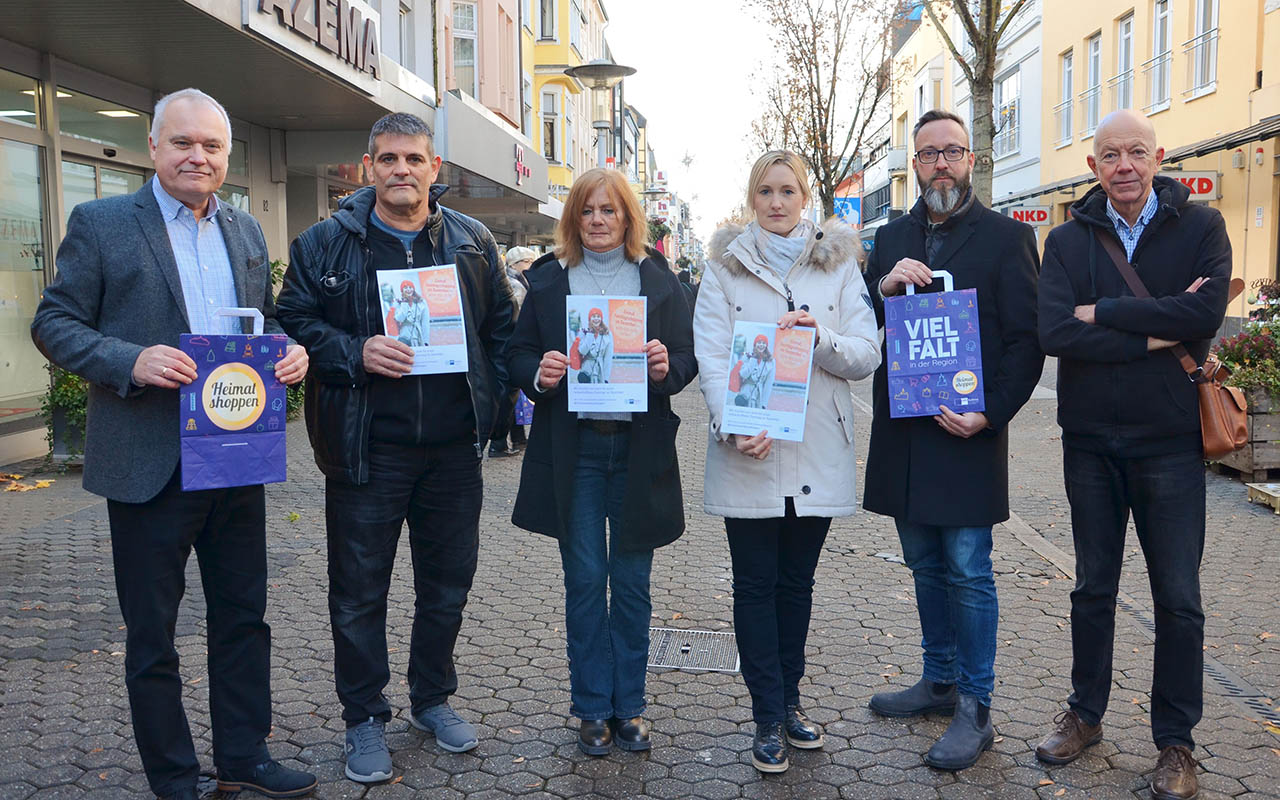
(98, 121)
(1007, 93)
(406, 36)
(18, 100)
(550, 123)
(1090, 97)
(526, 15)
(464, 47)
(1202, 50)
(1158, 69)
(1066, 98)
(526, 103)
(577, 22)
(920, 106)
(547, 19)
(876, 204)
(1122, 83)
(571, 135)
(23, 256)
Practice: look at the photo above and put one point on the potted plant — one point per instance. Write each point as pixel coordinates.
(63, 408)
(1253, 356)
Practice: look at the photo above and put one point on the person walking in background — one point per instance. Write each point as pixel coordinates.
(1131, 440)
(582, 468)
(778, 498)
(945, 479)
(393, 446)
(134, 273)
(518, 260)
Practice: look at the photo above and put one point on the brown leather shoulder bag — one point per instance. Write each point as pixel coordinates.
(1224, 421)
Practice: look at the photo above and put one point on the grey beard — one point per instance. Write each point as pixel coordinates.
(943, 202)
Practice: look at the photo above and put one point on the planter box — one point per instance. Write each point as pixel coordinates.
(1263, 450)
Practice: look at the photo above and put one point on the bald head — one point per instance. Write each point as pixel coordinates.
(1124, 124)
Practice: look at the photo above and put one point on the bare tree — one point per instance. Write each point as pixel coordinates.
(829, 77)
(984, 29)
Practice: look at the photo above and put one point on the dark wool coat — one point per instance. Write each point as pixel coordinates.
(1114, 396)
(916, 471)
(653, 505)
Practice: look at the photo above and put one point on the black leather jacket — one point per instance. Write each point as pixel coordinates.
(323, 307)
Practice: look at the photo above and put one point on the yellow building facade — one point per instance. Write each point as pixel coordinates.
(1206, 72)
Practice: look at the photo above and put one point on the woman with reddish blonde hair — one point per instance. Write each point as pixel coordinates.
(583, 468)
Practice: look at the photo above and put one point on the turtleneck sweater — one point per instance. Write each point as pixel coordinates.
(607, 273)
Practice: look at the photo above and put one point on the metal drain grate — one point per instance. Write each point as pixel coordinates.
(713, 651)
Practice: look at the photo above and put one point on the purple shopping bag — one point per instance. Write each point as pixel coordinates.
(232, 416)
(933, 351)
(524, 409)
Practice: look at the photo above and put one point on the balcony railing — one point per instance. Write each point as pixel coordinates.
(897, 160)
(1121, 87)
(1062, 123)
(1090, 103)
(1202, 63)
(1158, 73)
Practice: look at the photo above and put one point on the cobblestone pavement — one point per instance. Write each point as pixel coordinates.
(64, 718)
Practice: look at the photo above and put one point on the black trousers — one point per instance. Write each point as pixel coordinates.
(506, 418)
(773, 564)
(439, 491)
(150, 544)
(1166, 496)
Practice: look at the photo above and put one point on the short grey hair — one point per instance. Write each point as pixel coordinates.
(157, 119)
(401, 124)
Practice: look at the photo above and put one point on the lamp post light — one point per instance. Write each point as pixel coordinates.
(600, 76)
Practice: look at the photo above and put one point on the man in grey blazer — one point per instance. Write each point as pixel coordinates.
(134, 272)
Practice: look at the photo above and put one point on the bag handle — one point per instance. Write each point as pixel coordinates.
(947, 283)
(254, 313)
(1130, 275)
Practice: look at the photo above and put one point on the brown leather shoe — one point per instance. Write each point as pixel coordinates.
(1070, 739)
(1175, 777)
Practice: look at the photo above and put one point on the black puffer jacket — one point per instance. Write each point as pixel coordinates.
(1113, 396)
(323, 307)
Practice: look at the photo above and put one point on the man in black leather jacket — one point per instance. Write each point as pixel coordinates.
(395, 446)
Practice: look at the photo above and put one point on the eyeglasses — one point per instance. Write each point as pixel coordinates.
(929, 155)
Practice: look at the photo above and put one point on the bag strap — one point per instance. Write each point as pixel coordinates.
(1130, 275)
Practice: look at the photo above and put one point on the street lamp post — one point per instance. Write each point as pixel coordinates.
(600, 76)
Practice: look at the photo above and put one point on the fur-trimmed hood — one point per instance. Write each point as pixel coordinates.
(835, 243)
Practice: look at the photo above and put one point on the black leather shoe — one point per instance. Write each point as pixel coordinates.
(966, 738)
(270, 778)
(926, 697)
(630, 734)
(801, 731)
(769, 748)
(595, 737)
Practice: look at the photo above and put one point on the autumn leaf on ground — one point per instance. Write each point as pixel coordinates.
(293, 516)
(677, 615)
(1046, 782)
(1265, 636)
(18, 487)
(44, 484)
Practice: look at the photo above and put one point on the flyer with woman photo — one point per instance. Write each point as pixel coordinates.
(769, 370)
(608, 369)
(423, 309)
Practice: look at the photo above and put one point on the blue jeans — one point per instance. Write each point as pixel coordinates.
(606, 590)
(956, 598)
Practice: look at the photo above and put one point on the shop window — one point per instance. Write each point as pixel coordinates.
(406, 36)
(18, 100)
(1007, 96)
(100, 121)
(236, 196)
(550, 122)
(23, 252)
(82, 182)
(238, 158)
(464, 47)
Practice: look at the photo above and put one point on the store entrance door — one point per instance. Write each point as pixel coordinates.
(84, 180)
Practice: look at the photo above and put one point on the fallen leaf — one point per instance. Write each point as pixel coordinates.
(1276, 750)
(1272, 729)
(44, 484)
(1265, 636)
(518, 760)
(398, 779)
(102, 776)
(293, 516)
(1060, 793)
(677, 615)
(1046, 782)
(194, 681)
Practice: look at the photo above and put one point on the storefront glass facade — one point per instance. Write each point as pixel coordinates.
(23, 250)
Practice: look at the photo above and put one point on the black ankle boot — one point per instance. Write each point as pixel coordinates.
(769, 748)
(925, 697)
(966, 738)
(595, 737)
(801, 731)
(630, 734)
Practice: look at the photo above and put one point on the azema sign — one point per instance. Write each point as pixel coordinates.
(339, 36)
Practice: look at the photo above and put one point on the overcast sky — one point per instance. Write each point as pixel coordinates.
(694, 63)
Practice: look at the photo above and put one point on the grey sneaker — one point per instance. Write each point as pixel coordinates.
(452, 732)
(368, 759)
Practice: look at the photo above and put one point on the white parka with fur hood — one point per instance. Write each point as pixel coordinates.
(819, 471)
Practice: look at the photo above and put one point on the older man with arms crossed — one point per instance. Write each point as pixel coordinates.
(1131, 429)
(134, 272)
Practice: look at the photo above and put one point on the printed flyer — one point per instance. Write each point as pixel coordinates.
(423, 309)
(608, 369)
(769, 370)
(232, 415)
(934, 353)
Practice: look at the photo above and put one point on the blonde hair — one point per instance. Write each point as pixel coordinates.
(569, 228)
(786, 158)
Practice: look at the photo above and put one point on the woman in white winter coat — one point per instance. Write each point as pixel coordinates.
(778, 497)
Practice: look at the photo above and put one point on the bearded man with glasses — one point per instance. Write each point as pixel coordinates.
(945, 479)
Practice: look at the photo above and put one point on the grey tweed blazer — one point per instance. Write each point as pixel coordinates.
(117, 292)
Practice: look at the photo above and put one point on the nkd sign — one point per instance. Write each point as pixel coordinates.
(1204, 186)
(1032, 215)
(341, 35)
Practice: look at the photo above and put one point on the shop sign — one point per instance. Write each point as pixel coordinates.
(339, 36)
(660, 177)
(1032, 215)
(522, 171)
(1204, 186)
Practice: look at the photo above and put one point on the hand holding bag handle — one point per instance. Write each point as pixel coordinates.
(1224, 421)
(947, 283)
(252, 313)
